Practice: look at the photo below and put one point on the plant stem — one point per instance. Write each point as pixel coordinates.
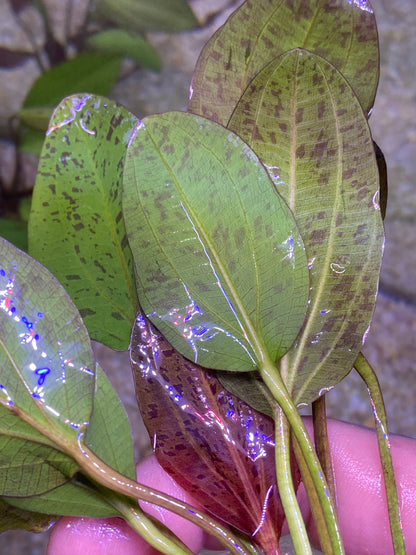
(138, 520)
(321, 442)
(368, 375)
(101, 473)
(274, 382)
(285, 483)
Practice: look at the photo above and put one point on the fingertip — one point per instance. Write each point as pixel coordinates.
(150, 473)
(95, 536)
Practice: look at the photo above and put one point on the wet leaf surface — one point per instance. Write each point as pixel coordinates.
(220, 265)
(76, 227)
(304, 121)
(343, 32)
(47, 366)
(214, 445)
(46, 375)
(109, 436)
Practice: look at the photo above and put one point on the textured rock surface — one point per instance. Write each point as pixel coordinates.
(391, 347)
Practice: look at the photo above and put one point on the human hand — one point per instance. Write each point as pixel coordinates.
(361, 503)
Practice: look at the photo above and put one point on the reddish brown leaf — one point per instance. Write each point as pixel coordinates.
(212, 443)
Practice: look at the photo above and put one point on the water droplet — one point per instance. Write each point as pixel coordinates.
(315, 339)
(325, 390)
(288, 248)
(337, 268)
(362, 4)
(367, 331)
(376, 200)
(274, 173)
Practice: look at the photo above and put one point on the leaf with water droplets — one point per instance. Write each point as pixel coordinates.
(109, 436)
(46, 375)
(220, 265)
(343, 32)
(304, 121)
(214, 445)
(76, 226)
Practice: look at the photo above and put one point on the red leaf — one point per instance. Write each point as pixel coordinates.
(213, 444)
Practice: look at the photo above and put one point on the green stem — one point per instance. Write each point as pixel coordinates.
(368, 375)
(101, 473)
(320, 431)
(274, 382)
(285, 483)
(104, 475)
(137, 519)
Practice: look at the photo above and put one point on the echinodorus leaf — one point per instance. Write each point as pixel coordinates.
(76, 227)
(304, 121)
(109, 436)
(343, 32)
(220, 265)
(46, 362)
(214, 445)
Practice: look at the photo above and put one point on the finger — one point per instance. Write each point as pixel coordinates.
(150, 473)
(77, 536)
(360, 496)
(95, 536)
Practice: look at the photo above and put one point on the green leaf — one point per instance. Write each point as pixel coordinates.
(125, 44)
(249, 387)
(108, 433)
(14, 231)
(28, 467)
(46, 362)
(72, 499)
(109, 436)
(46, 381)
(145, 15)
(343, 32)
(12, 518)
(76, 227)
(304, 121)
(95, 73)
(32, 139)
(220, 265)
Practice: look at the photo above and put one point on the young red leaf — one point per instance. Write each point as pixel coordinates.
(213, 444)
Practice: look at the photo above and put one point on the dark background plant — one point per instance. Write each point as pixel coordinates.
(95, 45)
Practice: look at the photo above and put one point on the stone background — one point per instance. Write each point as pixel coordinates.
(391, 346)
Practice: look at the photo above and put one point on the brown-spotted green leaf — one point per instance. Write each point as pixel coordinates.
(76, 226)
(304, 121)
(214, 445)
(342, 31)
(220, 265)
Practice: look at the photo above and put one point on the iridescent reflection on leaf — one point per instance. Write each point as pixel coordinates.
(214, 445)
(46, 362)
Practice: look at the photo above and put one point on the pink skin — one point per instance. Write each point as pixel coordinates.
(360, 499)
